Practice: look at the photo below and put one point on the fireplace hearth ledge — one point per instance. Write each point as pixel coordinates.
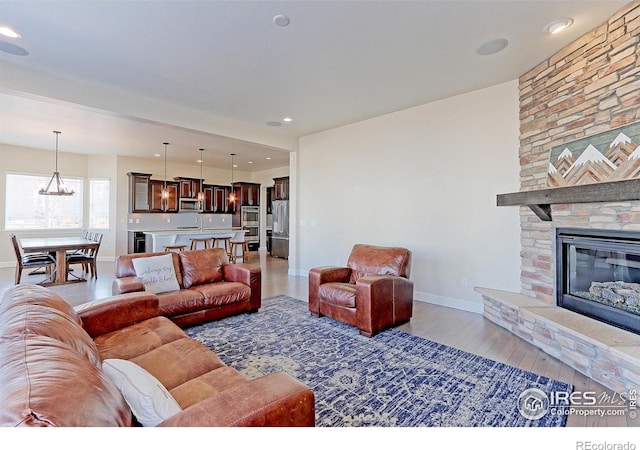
(607, 354)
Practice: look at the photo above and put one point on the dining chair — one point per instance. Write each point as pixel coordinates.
(86, 258)
(32, 260)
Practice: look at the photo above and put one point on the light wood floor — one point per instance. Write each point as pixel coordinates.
(467, 331)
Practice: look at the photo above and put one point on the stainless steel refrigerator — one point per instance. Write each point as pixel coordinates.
(280, 229)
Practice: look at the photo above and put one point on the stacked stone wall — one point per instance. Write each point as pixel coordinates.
(590, 87)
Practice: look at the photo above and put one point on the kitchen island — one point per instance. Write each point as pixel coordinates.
(157, 240)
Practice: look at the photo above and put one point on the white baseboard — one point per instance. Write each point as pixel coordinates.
(106, 259)
(464, 305)
(456, 303)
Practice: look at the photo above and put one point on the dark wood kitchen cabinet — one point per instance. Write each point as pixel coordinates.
(207, 206)
(139, 192)
(216, 199)
(145, 194)
(248, 194)
(281, 188)
(270, 198)
(155, 196)
(188, 187)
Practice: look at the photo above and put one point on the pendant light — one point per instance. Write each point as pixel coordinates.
(201, 193)
(232, 194)
(56, 185)
(164, 196)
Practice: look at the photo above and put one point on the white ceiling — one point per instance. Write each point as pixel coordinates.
(124, 76)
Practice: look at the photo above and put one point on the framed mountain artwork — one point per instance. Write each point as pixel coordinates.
(610, 156)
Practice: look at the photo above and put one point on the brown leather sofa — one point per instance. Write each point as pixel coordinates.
(372, 293)
(51, 371)
(210, 287)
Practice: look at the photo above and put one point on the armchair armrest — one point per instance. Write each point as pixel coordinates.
(331, 274)
(382, 301)
(321, 275)
(249, 274)
(277, 399)
(120, 311)
(126, 284)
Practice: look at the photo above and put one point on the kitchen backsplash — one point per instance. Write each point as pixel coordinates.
(156, 221)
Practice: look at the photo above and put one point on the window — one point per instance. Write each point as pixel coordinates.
(27, 210)
(98, 204)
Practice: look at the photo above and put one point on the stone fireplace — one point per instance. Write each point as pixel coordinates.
(590, 87)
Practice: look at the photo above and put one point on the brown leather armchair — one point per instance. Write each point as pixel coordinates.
(372, 293)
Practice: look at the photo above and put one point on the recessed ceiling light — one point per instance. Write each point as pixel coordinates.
(249, 162)
(281, 20)
(558, 25)
(12, 49)
(492, 46)
(199, 161)
(9, 32)
(268, 157)
(274, 124)
(156, 154)
(287, 119)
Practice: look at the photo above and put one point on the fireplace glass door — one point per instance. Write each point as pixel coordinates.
(599, 276)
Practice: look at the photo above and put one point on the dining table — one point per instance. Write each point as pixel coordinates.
(59, 246)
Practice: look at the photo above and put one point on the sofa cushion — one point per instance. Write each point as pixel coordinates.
(134, 340)
(341, 294)
(45, 321)
(149, 401)
(157, 273)
(178, 361)
(223, 293)
(372, 260)
(203, 266)
(206, 385)
(180, 302)
(124, 264)
(44, 382)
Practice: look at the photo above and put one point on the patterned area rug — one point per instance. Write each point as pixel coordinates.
(392, 379)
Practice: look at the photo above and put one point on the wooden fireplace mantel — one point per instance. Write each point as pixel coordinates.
(540, 201)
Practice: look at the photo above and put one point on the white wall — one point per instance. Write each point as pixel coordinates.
(35, 161)
(105, 166)
(425, 178)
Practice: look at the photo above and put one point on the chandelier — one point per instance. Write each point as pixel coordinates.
(56, 185)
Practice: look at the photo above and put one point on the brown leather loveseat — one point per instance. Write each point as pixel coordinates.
(209, 287)
(54, 359)
(372, 293)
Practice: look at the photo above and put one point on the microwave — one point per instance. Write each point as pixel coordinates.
(250, 214)
(190, 204)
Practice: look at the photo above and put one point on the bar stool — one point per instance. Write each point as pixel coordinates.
(226, 241)
(243, 246)
(178, 248)
(196, 241)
